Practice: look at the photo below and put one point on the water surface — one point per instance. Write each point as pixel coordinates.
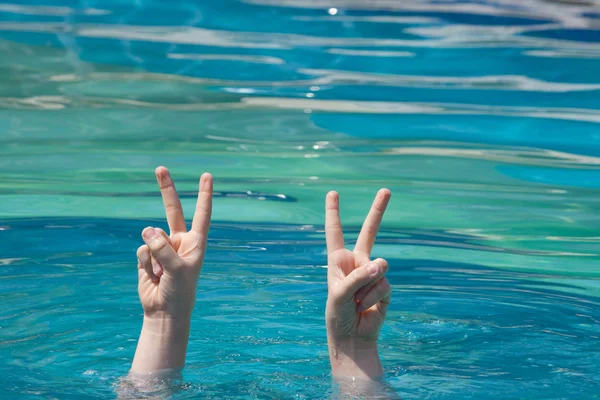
(481, 117)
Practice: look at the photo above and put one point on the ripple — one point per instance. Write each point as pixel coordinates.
(370, 53)
(386, 19)
(461, 33)
(228, 57)
(498, 82)
(50, 10)
(254, 40)
(388, 107)
(181, 35)
(491, 235)
(564, 53)
(9, 261)
(520, 156)
(39, 102)
(62, 102)
(570, 15)
(182, 194)
(365, 107)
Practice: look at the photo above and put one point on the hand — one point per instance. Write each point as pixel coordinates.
(168, 267)
(359, 292)
(168, 270)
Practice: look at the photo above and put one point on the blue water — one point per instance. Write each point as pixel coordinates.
(481, 117)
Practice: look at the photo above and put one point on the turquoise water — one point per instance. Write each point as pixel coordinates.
(481, 117)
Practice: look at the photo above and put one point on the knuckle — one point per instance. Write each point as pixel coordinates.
(164, 234)
(370, 230)
(385, 286)
(363, 256)
(159, 244)
(166, 183)
(333, 226)
(141, 251)
(197, 237)
(357, 274)
(202, 209)
(164, 179)
(379, 207)
(170, 207)
(383, 264)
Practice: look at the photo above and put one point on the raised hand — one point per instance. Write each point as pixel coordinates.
(168, 270)
(359, 293)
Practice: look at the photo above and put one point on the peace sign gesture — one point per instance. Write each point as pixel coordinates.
(359, 292)
(169, 265)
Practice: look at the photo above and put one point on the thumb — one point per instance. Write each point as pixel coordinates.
(161, 248)
(362, 276)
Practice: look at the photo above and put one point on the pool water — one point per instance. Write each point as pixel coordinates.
(483, 118)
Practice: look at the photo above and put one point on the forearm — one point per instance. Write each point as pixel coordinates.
(354, 358)
(162, 345)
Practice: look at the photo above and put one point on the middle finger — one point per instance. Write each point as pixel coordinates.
(171, 201)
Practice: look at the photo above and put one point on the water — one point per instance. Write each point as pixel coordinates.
(482, 118)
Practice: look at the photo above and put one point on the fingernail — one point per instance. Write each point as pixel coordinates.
(372, 269)
(149, 233)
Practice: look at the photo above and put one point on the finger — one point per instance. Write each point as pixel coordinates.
(369, 230)
(160, 248)
(362, 276)
(174, 241)
(165, 235)
(156, 267)
(145, 263)
(360, 293)
(379, 292)
(333, 225)
(383, 304)
(201, 222)
(171, 201)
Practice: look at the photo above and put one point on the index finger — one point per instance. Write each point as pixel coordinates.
(333, 224)
(201, 222)
(369, 230)
(171, 201)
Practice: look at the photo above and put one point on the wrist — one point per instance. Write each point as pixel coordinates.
(166, 326)
(354, 357)
(352, 347)
(162, 345)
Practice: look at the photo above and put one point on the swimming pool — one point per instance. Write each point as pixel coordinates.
(481, 117)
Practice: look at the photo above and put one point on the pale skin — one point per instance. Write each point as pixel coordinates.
(168, 271)
(169, 267)
(358, 293)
